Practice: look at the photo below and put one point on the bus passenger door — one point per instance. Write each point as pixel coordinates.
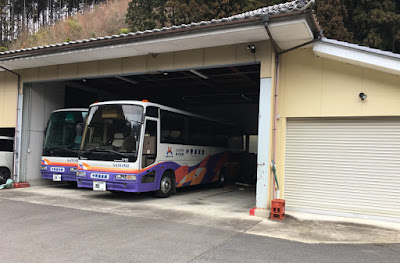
(149, 154)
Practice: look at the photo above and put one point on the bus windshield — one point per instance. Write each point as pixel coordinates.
(61, 138)
(112, 132)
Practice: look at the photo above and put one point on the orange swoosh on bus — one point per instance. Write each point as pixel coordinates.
(114, 170)
(199, 177)
(59, 164)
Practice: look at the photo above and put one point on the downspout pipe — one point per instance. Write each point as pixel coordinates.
(278, 52)
(17, 144)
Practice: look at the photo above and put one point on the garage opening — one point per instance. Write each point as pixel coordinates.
(228, 93)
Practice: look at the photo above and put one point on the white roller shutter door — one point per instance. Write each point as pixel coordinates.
(344, 166)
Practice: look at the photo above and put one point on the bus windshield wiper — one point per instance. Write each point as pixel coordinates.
(105, 150)
(59, 149)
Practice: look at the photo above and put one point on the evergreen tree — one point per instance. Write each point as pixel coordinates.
(330, 15)
(375, 23)
(146, 14)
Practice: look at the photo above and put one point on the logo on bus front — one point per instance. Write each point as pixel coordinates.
(121, 165)
(57, 169)
(169, 152)
(99, 176)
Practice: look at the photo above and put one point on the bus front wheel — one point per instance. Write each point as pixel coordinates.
(221, 178)
(167, 185)
(5, 174)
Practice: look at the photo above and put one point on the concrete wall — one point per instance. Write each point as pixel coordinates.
(310, 86)
(40, 101)
(196, 58)
(8, 99)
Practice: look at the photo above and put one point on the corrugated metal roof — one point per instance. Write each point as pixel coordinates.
(288, 7)
(361, 48)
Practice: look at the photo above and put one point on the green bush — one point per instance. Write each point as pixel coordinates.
(74, 25)
(2, 49)
(124, 31)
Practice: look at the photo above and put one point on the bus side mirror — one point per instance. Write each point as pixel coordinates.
(79, 129)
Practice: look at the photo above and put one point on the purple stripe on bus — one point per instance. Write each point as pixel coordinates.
(65, 176)
(138, 186)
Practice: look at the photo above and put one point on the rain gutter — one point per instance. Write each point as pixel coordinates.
(278, 51)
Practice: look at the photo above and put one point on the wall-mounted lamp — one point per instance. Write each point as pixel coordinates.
(252, 48)
(362, 95)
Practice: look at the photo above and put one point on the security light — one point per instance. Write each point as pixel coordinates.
(252, 48)
(363, 96)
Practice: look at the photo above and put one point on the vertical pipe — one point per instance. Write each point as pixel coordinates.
(18, 144)
(275, 118)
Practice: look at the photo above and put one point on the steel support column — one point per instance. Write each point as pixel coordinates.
(263, 152)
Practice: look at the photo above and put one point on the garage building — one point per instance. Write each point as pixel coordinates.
(325, 112)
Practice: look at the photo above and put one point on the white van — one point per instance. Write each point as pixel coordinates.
(6, 158)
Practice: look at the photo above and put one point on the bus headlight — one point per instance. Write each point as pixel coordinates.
(125, 177)
(81, 174)
(73, 169)
(44, 168)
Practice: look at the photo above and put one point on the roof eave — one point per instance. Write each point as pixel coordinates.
(359, 56)
(86, 44)
(204, 36)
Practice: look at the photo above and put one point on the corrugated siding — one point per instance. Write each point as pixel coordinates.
(344, 165)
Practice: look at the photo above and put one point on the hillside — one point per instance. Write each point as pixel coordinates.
(374, 23)
(105, 19)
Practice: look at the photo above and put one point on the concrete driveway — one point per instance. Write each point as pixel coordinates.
(47, 233)
(219, 208)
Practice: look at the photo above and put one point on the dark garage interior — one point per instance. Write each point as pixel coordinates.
(227, 93)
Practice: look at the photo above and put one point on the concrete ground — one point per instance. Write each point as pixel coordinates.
(222, 208)
(46, 233)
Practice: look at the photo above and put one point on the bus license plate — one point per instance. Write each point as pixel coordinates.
(99, 186)
(56, 177)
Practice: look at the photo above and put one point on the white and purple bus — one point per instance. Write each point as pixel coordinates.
(138, 146)
(61, 145)
(6, 157)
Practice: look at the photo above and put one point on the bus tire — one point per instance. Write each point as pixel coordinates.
(5, 174)
(221, 178)
(167, 185)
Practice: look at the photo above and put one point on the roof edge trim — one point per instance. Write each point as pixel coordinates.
(375, 59)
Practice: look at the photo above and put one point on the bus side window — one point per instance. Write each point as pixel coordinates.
(173, 128)
(6, 145)
(149, 144)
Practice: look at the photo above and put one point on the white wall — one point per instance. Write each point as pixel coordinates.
(39, 101)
